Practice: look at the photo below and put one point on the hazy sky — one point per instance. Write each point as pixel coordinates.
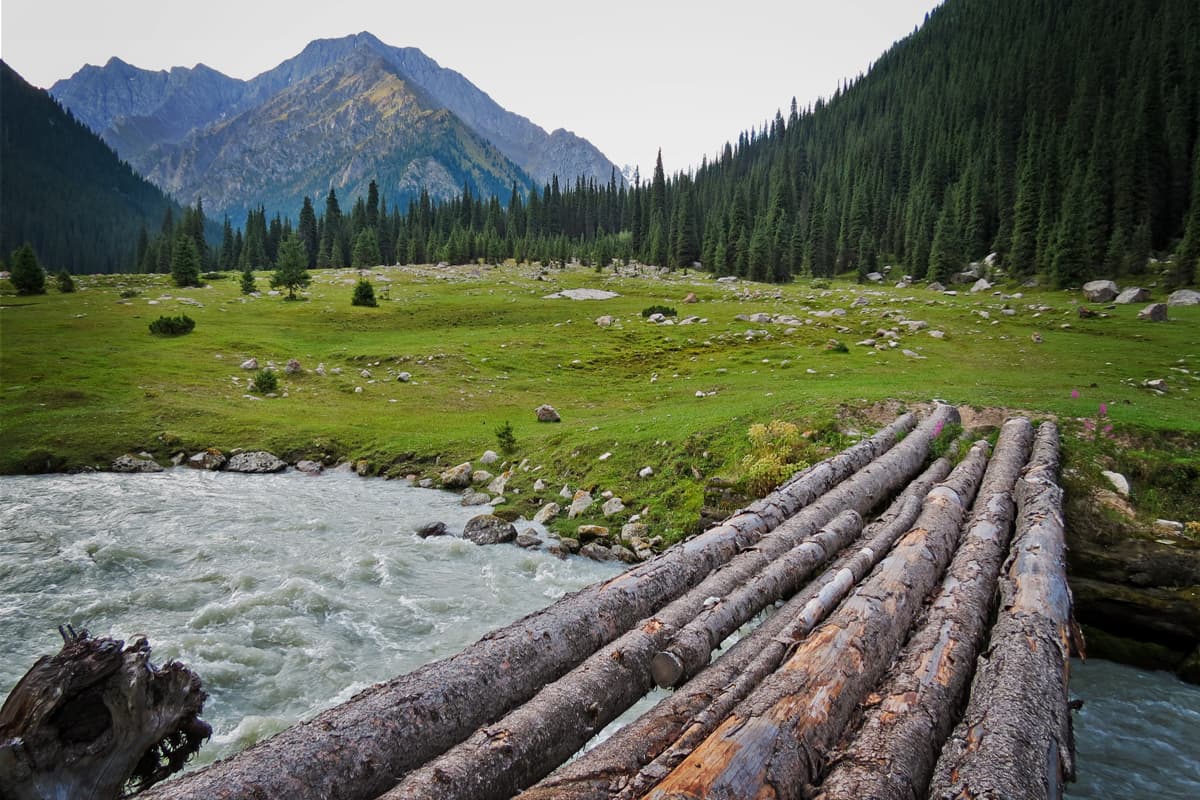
(630, 75)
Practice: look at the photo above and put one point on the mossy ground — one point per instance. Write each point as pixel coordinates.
(84, 381)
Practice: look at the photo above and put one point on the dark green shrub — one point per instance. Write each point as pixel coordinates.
(128, 293)
(27, 277)
(506, 438)
(172, 326)
(666, 311)
(834, 346)
(214, 276)
(65, 284)
(364, 294)
(248, 286)
(265, 381)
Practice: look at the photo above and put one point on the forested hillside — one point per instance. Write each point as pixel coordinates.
(1060, 134)
(63, 190)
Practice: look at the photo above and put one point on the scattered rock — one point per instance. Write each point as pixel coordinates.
(474, 498)
(604, 321)
(1134, 294)
(1100, 291)
(980, 285)
(539, 485)
(624, 554)
(481, 476)
(1115, 502)
(250, 363)
(936, 287)
(691, 298)
(590, 533)
(1155, 312)
(499, 483)
(489, 529)
(1168, 525)
(569, 544)
(255, 462)
(320, 370)
(428, 529)
(546, 413)
(292, 367)
(211, 459)
(366, 373)
(911, 353)
(938, 334)
(874, 277)
(1184, 297)
(528, 538)
(310, 467)
(612, 506)
(597, 552)
(1155, 384)
(362, 468)
(645, 472)
(131, 463)
(1086, 313)
(458, 477)
(634, 530)
(547, 513)
(489, 457)
(580, 503)
(404, 377)
(1036, 337)
(1118, 481)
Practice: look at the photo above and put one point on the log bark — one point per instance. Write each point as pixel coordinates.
(774, 742)
(518, 750)
(610, 769)
(1015, 741)
(894, 751)
(359, 749)
(95, 718)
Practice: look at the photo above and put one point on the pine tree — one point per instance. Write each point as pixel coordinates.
(65, 284)
(364, 293)
(1068, 264)
(1186, 267)
(27, 275)
(291, 272)
(226, 260)
(946, 253)
(307, 230)
(366, 249)
(248, 286)
(185, 261)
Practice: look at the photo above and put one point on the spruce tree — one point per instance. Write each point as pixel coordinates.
(364, 294)
(248, 285)
(291, 273)
(27, 275)
(1186, 267)
(945, 253)
(366, 249)
(307, 230)
(185, 261)
(65, 284)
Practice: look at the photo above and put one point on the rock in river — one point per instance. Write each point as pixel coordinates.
(257, 462)
(489, 529)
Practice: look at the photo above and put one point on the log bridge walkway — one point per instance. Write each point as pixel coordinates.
(919, 648)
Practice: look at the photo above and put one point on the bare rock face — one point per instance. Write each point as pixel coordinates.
(489, 529)
(1155, 312)
(1100, 291)
(546, 413)
(458, 477)
(131, 463)
(255, 462)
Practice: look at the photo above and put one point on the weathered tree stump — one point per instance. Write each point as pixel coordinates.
(96, 719)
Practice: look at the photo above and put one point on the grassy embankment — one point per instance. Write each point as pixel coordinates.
(84, 381)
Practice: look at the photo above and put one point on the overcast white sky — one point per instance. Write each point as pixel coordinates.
(630, 75)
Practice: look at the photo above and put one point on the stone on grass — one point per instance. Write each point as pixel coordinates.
(474, 498)
(481, 476)
(489, 457)
(547, 513)
(874, 277)
(250, 363)
(590, 533)
(1155, 312)
(645, 472)
(605, 321)
(404, 377)
(539, 485)
(1100, 291)
(1134, 294)
(255, 462)
(293, 367)
(634, 530)
(1118, 481)
(458, 477)
(691, 298)
(580, 502)
(211, 459)
(981, 285)
(936, 287)
(427, 529)
(546, 413)
(612, 506)
(1184, 297)
(489, 529)
(131, 463)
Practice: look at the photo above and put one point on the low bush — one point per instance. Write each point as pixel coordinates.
(506, 439)
(266, 381)
(65, 284)
(128, 293)
(364, 294)
(172, 326)
(666, 311)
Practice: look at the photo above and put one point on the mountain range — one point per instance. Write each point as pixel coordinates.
(339, 114)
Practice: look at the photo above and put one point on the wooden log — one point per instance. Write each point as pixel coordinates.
(359, 749)
(1014, 740)
(500, 759)
(774, 742)
(95, 718)
(610, 769)
(894, 751)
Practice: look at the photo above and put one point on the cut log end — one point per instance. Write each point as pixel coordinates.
(667, 669)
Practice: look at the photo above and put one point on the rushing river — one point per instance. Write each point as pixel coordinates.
(288, 594)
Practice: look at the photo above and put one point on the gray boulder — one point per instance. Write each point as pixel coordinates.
(624, 554)
(131, 463)
(1155, 312)
(211, 459)
(597, 552)
(1184, 297)
(613, 505)
(293, 367)
(1100, 291)
(936, 287)
(980, 285)
(546, 413)
(255, 462)
(432, 529)
(1134, 294)
(580, 503)
(546, 513)
(458, 477)
(489, 529)
(489, 457)
(528, 538)
(250, 363)
(473, 498)
(310, 467)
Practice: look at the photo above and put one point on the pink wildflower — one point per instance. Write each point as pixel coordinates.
(1104, 409)
(1074, 394)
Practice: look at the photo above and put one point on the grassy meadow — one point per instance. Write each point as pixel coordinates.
(83, 380)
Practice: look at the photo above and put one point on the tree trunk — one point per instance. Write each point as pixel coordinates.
(773, 744)
(501, 759)
(893, 753)
(609, 769)
(1014, 741)
(97, 716)
(359, 749)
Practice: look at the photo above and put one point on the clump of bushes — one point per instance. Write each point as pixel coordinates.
(776, 453)
(65, 284)
(364, 294)
(248, 286)
(214, 276)
(128, 293)
(172, 326)
(266, 381)
(834, 346)
(666, 311)
(819, 283)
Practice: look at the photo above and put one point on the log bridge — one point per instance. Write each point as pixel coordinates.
(918, 647)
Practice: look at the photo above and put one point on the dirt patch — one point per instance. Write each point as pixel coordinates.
(883, 412)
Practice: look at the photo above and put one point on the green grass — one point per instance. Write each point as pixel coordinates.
(83, 380)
